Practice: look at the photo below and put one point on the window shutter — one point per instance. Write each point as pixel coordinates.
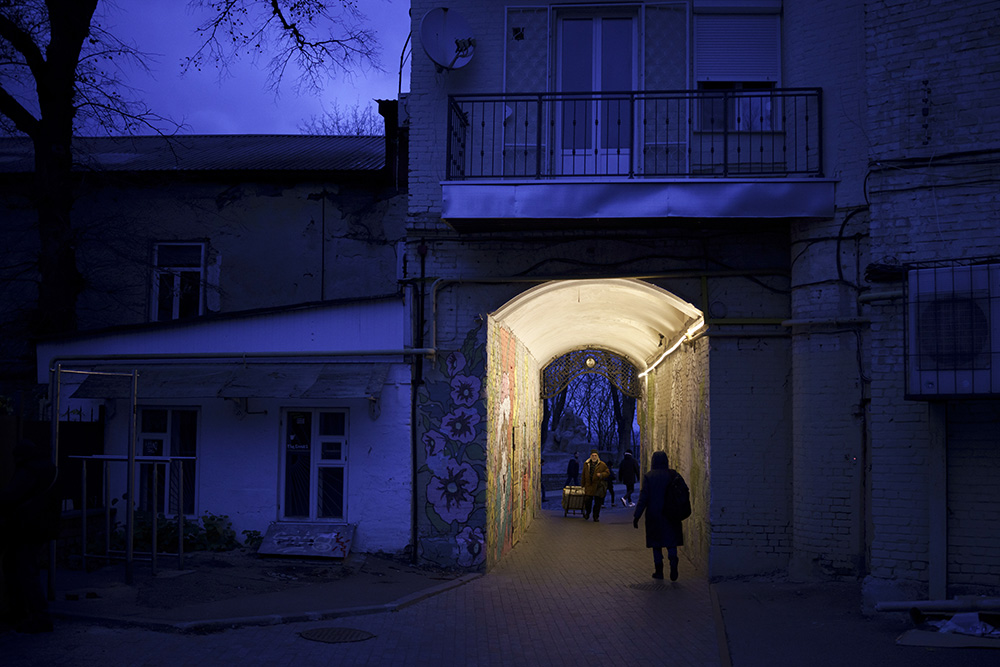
(737, 47)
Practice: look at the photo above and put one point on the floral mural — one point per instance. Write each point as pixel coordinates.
(477, 476)
(451, 476)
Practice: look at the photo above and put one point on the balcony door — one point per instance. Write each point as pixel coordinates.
(596, 58)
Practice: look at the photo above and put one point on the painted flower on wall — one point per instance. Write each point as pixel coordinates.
(471, 543)
(435, 449)
(455, 363)
(460, 424)
(451, 465)
(465, 390)
(452, 493)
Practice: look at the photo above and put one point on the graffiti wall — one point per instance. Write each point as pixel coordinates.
(478, 426)
(451, 473)
(514, 441)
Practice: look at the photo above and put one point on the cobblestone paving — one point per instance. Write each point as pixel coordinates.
(571, 592)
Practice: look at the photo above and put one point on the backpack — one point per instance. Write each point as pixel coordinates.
(677, 501)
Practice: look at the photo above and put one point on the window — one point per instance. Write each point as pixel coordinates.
(164, 435)
(178, 281)
(743, 106)
(737, 47)
(315, 460)
(737, 61)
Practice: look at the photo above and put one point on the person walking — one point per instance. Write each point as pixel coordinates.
(573, 471)
(628, 474)
(662, 532)
(595, 475)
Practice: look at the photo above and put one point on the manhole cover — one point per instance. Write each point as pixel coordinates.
(336, 635)
(650, 587)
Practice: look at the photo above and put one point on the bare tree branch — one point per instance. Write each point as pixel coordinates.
(321, 39)
(354, 121)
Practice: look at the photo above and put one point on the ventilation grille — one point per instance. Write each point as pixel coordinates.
(952, 332)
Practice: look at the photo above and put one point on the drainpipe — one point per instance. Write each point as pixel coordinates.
(826, 321)
(416, 379)
(315, 357)
(890, 295)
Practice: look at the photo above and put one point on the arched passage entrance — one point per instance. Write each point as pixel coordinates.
(634, 319)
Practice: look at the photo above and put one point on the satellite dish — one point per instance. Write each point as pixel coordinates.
(447, 38)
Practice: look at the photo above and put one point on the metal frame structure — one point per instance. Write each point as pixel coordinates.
(132, 460)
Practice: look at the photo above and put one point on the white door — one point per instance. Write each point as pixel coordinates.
(596, 133)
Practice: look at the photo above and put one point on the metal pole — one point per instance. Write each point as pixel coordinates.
(107, 509)
(539, 119)
(154, 513)
(180, 515)
(725, 132)
(130, 485)
(51, 577)
(83, 514)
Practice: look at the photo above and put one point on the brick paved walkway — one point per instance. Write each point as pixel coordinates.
(571, 592)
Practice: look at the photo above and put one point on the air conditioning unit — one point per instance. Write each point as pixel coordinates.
(953, 331)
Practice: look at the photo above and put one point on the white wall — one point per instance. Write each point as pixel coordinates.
(239, 461)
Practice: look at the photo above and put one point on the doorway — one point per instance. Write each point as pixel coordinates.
(314, 460)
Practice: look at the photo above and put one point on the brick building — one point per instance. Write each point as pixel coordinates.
(773, 221)
(747, 185)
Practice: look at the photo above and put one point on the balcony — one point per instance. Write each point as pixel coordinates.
(639, 154)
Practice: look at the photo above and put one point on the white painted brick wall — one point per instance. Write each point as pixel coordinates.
(929, 64)
(750, 454)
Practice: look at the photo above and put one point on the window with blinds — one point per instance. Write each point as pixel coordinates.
(737, 47)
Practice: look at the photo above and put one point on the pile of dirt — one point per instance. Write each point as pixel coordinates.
(215, 576)
(209, 577)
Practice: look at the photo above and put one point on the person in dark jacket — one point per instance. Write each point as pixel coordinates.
(573, 471)
(29, 518)
(628, 474)
(661, 532)
(595, 487)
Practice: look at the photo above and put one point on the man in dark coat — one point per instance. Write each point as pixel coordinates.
(661, 532)
(595, 485)
(29, 518)
(628, 473)
(573, 470)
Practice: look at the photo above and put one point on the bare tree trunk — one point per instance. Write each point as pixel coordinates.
(546, 414)
(624, 410)
(60, 282)
(625, 419)
(558, 404)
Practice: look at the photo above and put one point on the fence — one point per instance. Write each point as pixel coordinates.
(686, 133)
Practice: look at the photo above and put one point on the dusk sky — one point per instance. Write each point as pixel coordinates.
(242, 103)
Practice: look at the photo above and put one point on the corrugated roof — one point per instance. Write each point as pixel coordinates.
(210, 152)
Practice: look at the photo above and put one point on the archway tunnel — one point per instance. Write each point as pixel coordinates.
(648, 328)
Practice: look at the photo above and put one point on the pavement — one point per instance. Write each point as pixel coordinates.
(570, 592)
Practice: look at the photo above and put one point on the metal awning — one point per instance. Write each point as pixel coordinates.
(290, 380)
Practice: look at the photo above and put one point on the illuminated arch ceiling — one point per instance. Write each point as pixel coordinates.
(635, 319)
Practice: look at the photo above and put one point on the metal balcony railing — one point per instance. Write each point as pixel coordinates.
(637, 134)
